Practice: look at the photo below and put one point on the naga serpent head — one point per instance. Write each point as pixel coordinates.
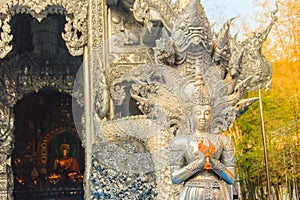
(192, 30)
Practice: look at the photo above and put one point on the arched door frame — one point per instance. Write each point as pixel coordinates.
(7, 119)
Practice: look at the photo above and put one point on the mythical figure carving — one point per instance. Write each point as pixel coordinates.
(253, 63)
(118, 94)
(206, 79)
(203, 160)
(24, 79)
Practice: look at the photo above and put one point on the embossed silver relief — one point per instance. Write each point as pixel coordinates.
(24, 79)
(124, 156)
(33, 75)
(111, 184)
(126, 34)
(119, 83)
(118, 94)
(47, 65)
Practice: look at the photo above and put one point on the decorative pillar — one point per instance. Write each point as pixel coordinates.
(6, 148)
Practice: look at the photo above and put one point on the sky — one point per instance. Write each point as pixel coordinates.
(232, 7)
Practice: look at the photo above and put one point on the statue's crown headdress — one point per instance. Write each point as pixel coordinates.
(201, 94)
(208, 88)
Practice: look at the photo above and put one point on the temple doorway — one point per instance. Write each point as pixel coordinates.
(48, 159)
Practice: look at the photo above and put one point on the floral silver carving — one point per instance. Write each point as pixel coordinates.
(118, 94)
(22, 75)
(111, 184)
(6, 148)
(6, 137)
(5, 37)
(142, 10)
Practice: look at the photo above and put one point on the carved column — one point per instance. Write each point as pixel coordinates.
(95, 90)
(6, 147)
(6, 181)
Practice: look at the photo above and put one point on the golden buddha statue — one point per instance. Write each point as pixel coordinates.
(66, 167)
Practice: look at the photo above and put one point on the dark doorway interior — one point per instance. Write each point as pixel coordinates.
(48, 159)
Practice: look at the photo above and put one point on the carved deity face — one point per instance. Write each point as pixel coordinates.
(65, 148)
(191, 31)
(201, 117)
(65, 152)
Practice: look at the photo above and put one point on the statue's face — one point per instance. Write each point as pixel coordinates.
(201, 116)
(65, 152)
